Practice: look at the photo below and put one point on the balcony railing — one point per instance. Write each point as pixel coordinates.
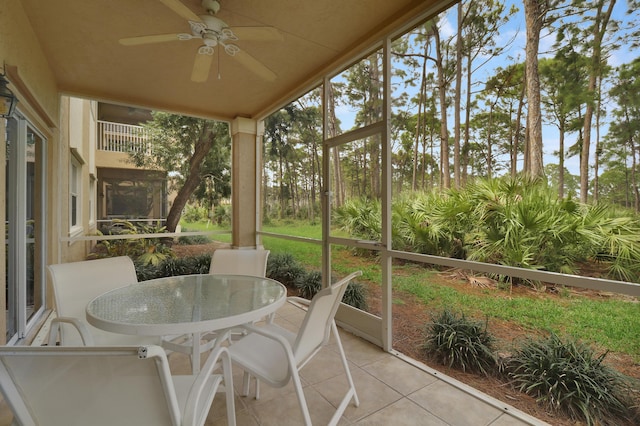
(118, 137)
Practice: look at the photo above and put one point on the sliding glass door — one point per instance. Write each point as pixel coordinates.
(25, 201)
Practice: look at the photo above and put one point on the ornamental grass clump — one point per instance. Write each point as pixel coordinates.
(311, 283)
(461, 343)
(570, 377)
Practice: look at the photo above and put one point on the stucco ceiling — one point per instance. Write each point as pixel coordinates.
(80, 39)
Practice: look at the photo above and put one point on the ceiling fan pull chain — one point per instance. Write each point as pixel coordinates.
(219, 76)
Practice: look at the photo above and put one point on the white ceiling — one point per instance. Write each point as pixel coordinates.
(80, 40)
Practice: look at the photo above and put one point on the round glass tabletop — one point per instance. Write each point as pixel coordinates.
(186, 303)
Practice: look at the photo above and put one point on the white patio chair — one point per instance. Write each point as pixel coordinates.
(127, 385)
(75, 284)
(275, 355)
(239, 262)
(224, 262)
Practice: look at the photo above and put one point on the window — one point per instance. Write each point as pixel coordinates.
(75, 196)
(25, 226)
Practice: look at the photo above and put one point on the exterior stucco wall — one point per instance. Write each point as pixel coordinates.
(30, 78)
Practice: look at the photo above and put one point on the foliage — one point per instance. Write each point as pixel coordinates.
(194, 213)
(517, 222)
(568, 376)
(222, 214)
(174, 266)
(311, 283)
(459, 342)
(188, 240)
(142, 250)
(283, 267)
(355, 295)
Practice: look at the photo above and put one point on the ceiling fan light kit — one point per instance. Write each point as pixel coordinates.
(214, 32)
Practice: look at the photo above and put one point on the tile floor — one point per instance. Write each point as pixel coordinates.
(392, 391)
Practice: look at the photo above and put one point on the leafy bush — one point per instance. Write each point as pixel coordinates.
(142, 250)
(311, 283)
(194, 214)
(189, 240)
(570, 377)
(283, 267)
(174, 266)
(222, 215)
(461, 343)
(518, 222)
(355, 295)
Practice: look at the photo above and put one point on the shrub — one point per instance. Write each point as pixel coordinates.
(356, 295)
(569, 377)
(142, 250)
(188, 240)
(194, 214)
(461, 343)
(311, 283)
(222, 215)
(283, 267)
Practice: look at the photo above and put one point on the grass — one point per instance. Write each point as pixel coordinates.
(208, 227)
(611, 324)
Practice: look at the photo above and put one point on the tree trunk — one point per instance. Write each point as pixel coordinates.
(561, 161)
(202, 148)
(456, 109)
(338, 184)
(516, 139)
(534, 18)
(444, 132)
(599, 29)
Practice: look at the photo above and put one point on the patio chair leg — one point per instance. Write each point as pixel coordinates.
(301, 399)
(246, 382)
(257, 388)
(195, 353)
(228, 388)
(345, 365)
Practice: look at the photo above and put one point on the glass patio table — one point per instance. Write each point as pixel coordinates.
(186, 304)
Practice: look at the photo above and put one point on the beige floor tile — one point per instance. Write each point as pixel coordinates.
(359, 351)
(243, 418)
(285, 411)
(401, 376)
(401, 413)
(373, 394)
(323, 366)
(454, 405)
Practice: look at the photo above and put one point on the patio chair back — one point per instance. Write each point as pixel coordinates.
(239, 262)
(88, 386)
(316, 326)
(75, 284)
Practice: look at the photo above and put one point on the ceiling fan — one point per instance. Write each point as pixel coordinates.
(214, 32)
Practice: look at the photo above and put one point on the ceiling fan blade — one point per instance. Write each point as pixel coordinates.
(135, 41)
(178, 7)
(201, 66)
(255, 66)
(257, 33)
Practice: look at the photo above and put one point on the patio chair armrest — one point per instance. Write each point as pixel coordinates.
(194, 403)
(266, 332)
(80, 326)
